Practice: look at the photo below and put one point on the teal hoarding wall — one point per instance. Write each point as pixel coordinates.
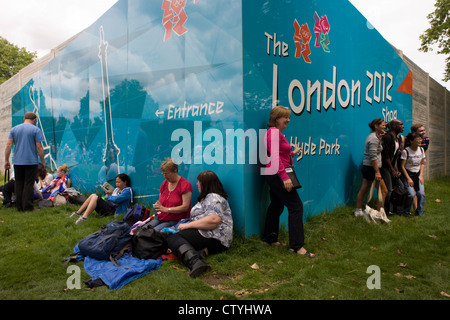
(336, 73)
(196, 80)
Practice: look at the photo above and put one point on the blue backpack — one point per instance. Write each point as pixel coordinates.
(106, 243)
(136, 213)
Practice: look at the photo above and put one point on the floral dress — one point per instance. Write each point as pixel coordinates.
(218, 205)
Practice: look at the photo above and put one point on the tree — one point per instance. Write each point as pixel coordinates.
(439, 33)
(13, 59)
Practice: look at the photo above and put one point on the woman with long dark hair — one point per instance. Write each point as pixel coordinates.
(210, 229)
(44, 177)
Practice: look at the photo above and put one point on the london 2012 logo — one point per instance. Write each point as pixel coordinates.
(174, 17)
(302, 37)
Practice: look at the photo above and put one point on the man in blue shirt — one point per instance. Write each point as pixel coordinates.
(27, 140)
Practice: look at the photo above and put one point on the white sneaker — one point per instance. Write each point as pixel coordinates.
(366, 214)
(74, 214)
(359, 213)
(80, 219)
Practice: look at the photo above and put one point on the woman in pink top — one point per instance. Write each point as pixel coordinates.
(281, 188)
(174, 202)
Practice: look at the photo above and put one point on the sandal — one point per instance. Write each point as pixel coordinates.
(306, 254)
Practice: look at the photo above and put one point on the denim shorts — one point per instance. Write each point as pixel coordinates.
(368, 173)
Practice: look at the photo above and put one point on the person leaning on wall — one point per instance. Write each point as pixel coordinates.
(115, 202)
(412, 166)
(420, 130)
(371, 165)
(392, 148)
(282, 193)
(175, 193)
(210, 230)
(27, 140)
(57, 185)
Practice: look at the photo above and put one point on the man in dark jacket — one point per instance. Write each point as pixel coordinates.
(392, 148)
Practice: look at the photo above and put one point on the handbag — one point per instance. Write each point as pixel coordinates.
(290, 171)
(370, 214)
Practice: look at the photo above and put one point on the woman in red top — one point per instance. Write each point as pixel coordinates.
(282, 193)
(174, 202)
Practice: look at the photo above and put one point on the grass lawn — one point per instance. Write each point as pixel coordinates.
(411, 254)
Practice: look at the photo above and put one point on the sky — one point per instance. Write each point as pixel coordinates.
(43, 25)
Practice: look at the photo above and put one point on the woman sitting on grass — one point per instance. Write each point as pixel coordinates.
(115, 202)
(58, 185)
(174, 202)
(211, 228)
(44, 177)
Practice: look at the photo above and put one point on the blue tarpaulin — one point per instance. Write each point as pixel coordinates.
(115, 277)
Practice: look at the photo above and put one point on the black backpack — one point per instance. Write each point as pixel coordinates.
(147, 243)
(398, 195)
(106, 243)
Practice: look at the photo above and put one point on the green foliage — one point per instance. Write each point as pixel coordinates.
(13, 59)
(412, 254)
(439, 33)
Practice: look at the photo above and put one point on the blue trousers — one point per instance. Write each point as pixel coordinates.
(411, 193)
(158, 225)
